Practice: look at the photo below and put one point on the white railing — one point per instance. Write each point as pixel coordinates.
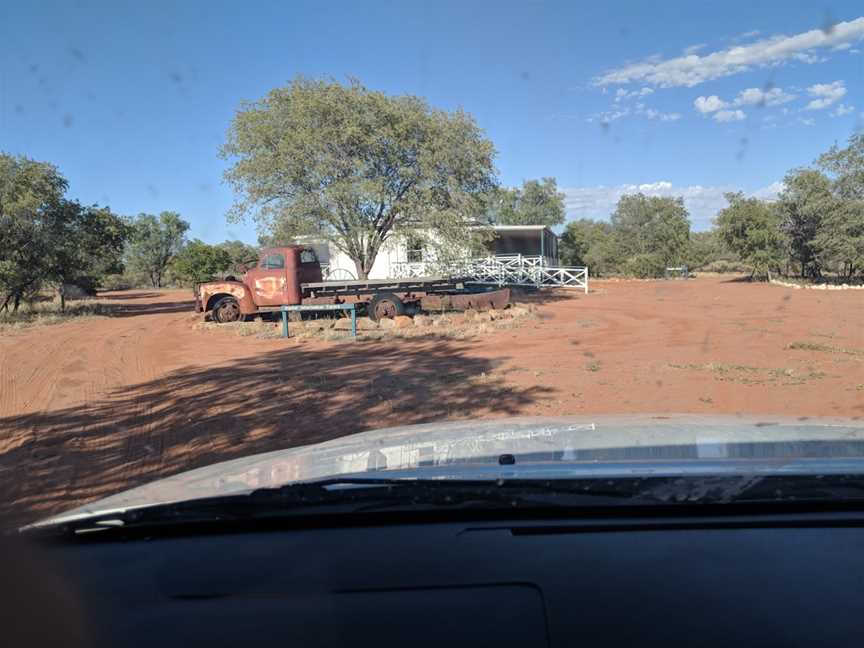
(513, 270)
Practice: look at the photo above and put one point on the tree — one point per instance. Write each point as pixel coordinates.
(31, 194)
(750, 228)
(85, 244)
(584, 242)
(842, 235)
(355, 166)
(803, 205)
(536, 203)
(655, 229)
(241, 255)
(154, 243)
(200, 262)
(705, 248)
(847, 167)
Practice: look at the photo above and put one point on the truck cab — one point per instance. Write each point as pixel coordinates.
(274, 280)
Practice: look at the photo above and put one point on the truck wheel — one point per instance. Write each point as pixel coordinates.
(226, 310)
(385, 305)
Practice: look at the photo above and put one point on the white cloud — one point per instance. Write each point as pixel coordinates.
(702, 202)
(807, 121)
(638, 110)
(694, 48)
(826, 94)
(729, 115)
(722, 111)
(710, 104)
(760, 97)
(621, 94)
(693, 69)
(842, 109)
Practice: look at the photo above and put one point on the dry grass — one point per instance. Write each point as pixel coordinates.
(748, 375)
(825, 348)
(48, 312)
(323, 329)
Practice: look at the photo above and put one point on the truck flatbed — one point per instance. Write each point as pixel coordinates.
(371, 286)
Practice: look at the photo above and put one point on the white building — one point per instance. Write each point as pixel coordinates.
(527, 240)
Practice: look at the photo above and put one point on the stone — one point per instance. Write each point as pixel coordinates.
(470, 314)
(422, 320)
(402, 321)
(458, 320)
(518, 311)
(363, 324)
(386, 323)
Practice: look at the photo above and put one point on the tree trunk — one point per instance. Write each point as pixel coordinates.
(62, 292)
(16, 303)
(361, 269)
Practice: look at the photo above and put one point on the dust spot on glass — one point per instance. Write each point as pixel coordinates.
(605, 126)
(525, 75)
(77, 54)
(624, 32)
(34, 68)
(828, 23)
(153, 191)
(19, 109)
(204, 187)
(742, 148)
(176, 77)
(68, 120)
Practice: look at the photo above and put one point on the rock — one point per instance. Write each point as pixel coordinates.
(386, 323)
(442, 320)
(494, 314)
(422, 320)
(363, 324)
(518, 311)
(402, 321)
(470, 314)
(458, 320)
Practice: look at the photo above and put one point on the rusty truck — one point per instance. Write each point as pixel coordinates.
(291, 275)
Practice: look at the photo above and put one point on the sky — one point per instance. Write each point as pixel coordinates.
(132, 101)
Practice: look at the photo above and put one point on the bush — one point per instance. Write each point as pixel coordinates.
(645, 266)
(116, 282)
(723, 266)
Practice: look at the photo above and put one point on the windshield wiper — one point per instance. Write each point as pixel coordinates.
(352, 496)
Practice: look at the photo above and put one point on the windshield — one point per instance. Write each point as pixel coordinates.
(644, 243)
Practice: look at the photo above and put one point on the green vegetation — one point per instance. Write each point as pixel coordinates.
(645, 236)
(200, 262)
(47, 240)
(815, 229)
(355, 166)
(536, 203)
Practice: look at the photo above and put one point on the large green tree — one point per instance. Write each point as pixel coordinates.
(200, 262)
(586, 242)
(241, 255)
(85, 245)
(536, 203)
(804, 205)
(154, 242)
(750, 228)
(841, 238)
(31, 195)
(355, 166)
(652, 232)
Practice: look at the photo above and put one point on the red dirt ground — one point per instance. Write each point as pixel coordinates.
(95, 406)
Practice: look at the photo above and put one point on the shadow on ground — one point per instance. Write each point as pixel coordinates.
(198, 416)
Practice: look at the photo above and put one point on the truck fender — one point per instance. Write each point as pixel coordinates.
(216, 290)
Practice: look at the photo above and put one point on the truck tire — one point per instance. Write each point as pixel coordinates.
(226, 310)
(385, 305)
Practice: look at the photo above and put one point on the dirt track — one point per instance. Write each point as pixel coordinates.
(92, 407)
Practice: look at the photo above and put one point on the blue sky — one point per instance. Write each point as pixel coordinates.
(132, 100)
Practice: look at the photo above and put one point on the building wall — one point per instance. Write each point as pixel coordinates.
(395, 251)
